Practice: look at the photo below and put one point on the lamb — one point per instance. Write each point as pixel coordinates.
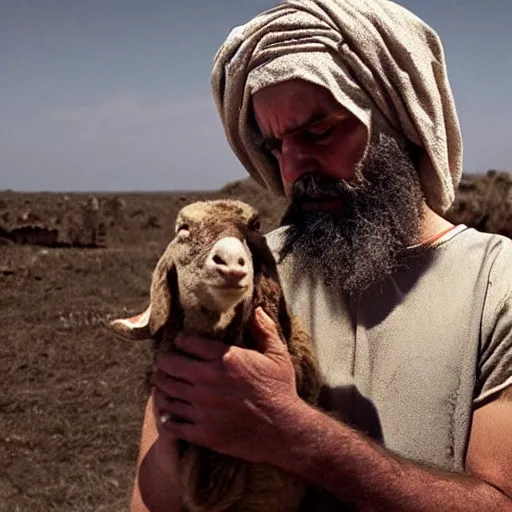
(208, 282)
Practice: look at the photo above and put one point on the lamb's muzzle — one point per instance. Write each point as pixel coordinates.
(229, 259)
(228, 264)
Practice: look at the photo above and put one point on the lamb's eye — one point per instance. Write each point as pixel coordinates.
(255, 225)
(183, 227)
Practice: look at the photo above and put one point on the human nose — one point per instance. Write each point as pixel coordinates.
(295, 161)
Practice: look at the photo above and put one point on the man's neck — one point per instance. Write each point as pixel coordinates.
(432, 225)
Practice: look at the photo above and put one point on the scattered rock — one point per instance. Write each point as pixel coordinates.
(152, 222)
(138, 213)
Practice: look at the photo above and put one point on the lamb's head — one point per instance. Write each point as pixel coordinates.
(212, 254)
(210, 267)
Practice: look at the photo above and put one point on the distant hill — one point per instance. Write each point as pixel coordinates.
(95, 220)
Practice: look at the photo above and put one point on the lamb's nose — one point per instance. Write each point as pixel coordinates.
(228, 258)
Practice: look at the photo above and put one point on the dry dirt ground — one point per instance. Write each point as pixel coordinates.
(72, 394)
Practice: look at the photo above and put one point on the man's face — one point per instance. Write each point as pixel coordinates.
(308, 132)
(349, 217)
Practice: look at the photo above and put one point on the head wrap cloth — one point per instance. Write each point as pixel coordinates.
(370, 54)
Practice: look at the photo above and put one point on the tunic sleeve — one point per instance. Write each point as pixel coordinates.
(494, 372)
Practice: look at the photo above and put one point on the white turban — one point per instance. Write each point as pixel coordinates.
(369, 54)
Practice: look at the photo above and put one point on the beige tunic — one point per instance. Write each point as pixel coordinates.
(407, 361)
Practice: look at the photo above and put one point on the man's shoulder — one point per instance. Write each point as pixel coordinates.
(467, 237)
(490, 253)
(494, 246)
(481, 236)
(484, 257)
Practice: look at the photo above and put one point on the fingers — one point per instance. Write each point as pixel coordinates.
(169, 408)
(182, 367)
(176, 410)
(173, 388)
(186, 431)
(219, 357)
(265, 332)
(178, 419)
(181, 399)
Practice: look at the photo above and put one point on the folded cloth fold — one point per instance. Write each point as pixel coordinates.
(372, 55)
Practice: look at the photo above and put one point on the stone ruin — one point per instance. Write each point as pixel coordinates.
(80, 224)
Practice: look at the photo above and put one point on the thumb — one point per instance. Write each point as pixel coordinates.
(265, 333)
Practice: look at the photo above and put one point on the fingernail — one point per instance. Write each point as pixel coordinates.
(164, 418)
(180, 339)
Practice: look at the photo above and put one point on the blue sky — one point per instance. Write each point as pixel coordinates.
(115, 94)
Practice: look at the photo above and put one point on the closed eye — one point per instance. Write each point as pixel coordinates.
(272, 146)
(313, 132)
(320, 130)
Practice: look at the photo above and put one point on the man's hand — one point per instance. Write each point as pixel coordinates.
(235, 400)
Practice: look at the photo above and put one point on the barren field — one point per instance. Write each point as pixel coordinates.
(72, 394)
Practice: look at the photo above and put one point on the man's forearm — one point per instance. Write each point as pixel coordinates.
(354, 469)
(159, 480)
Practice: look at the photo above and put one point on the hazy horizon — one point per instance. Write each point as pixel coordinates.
(115, 96)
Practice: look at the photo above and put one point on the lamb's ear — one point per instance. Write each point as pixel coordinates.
(268, 291)
(263, 259)
(146, 324)
(134, 328)
(165, 271)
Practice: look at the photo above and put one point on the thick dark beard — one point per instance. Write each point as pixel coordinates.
(381, 216)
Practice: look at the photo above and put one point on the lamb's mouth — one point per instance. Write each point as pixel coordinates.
(230, 287)
(226, 295)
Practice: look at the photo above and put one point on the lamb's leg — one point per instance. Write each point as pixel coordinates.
(212, 482)
(270, 489)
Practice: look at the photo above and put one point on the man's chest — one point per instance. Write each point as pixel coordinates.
(398, 366)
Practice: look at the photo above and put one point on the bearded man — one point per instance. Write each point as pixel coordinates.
(345, 107)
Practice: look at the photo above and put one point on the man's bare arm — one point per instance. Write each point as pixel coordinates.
(156, 486)
(354, 469)
(490, 446)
